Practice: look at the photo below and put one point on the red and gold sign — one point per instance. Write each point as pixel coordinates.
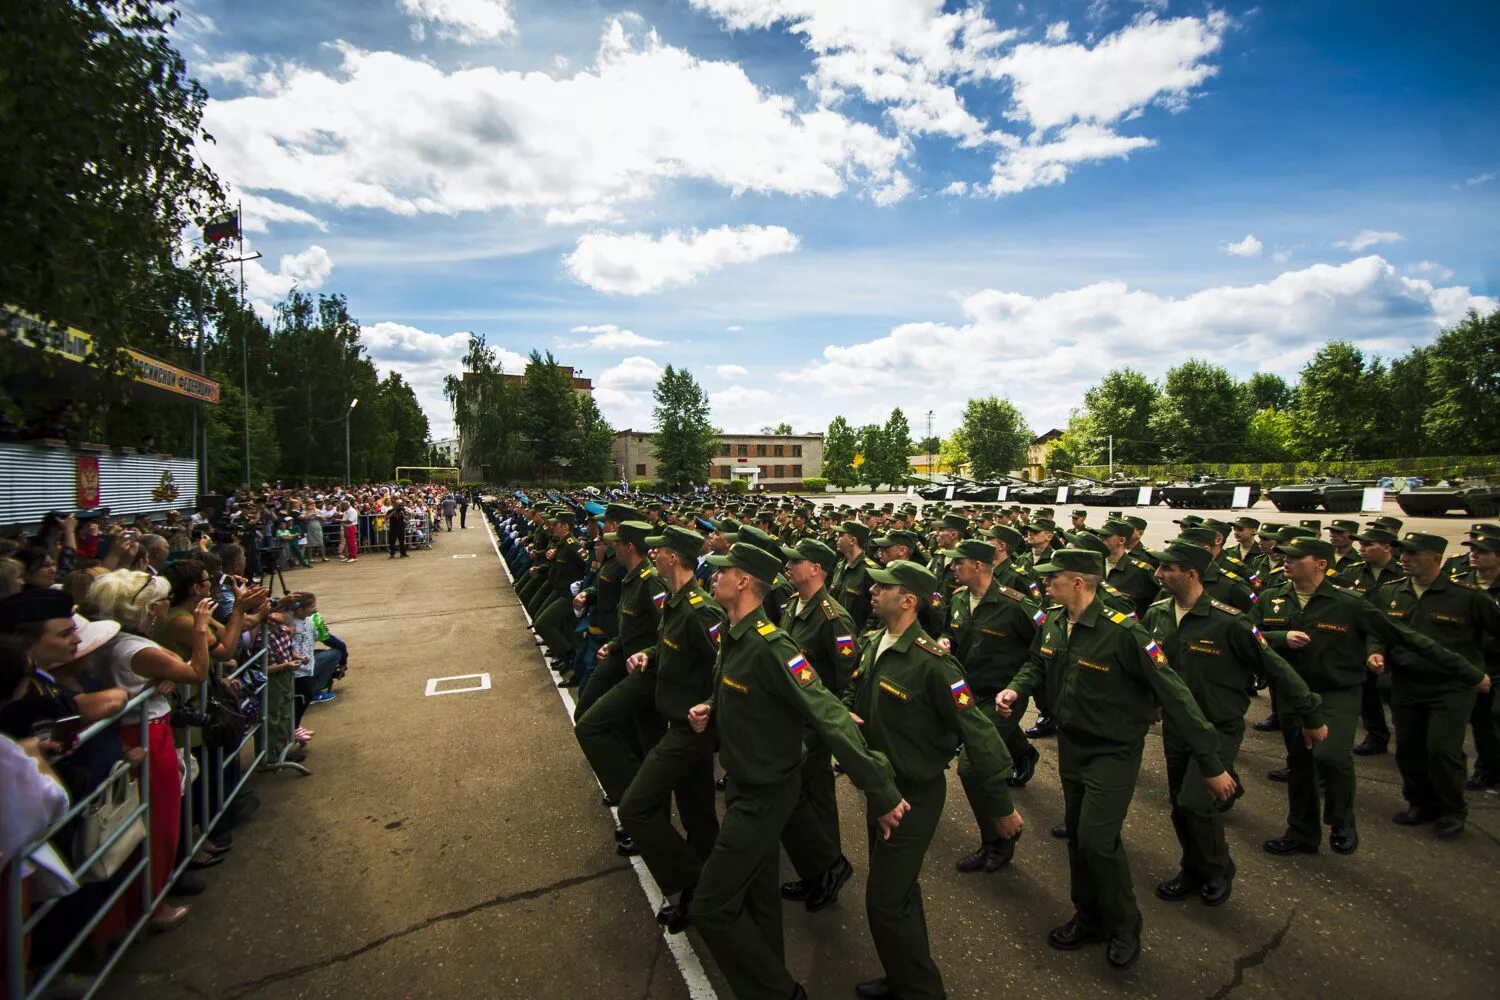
(88, 482)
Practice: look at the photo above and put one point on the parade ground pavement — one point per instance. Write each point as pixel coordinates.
(454, 845)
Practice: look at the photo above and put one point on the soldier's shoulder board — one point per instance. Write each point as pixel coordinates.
(764, 627)
(1012, 593)
(926, 645)
(1117, 617)
(871, 563)
(960, 590)
(1143, 564)
(645, 572)
(829, 609)
(1228, 609)
(695, 599)
(1466, 584)
(1231, 574)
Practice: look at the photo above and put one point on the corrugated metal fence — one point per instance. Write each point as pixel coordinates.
(35, 479)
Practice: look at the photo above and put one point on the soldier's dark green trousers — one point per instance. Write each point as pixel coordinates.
(1430, 747)
(1014, 738)
(1098, 780)
(893, 896)
(604, 677)
(737, 906)
(603, 731)
(555, 623)
(680, 765)
(1373, 699)
(1329, 765)
(811, 837)
(532, 591)
(1486, 732)
(1199, 826)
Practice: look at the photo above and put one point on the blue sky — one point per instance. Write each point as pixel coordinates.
(821, 207)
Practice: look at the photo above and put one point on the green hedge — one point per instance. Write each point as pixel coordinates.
(814, 485)
(1277, 473)
(739, 485)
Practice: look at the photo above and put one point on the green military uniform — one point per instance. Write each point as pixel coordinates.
(1430, 703)
(554, 623)
(1135, 578)
(1216, 652)
(1483, 721)
(917, 709)
(764, 695)
(851, 587)
(1105, 677)
(991, 639)
(824, 632)
(1366, 581)
(1340, 625)
(604, 623)
(681, 764)
(616, 721)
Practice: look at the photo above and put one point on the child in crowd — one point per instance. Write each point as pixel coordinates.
(327, 638)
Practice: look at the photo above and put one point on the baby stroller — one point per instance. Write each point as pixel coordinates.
(418, 532)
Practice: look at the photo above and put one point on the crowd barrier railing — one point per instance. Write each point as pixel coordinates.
(24, 984)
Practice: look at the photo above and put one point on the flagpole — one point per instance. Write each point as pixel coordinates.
(239, 226)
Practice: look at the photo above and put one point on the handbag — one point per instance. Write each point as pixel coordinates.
(225, 724)
(106, 814)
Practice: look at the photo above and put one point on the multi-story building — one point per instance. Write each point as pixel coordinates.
(770, 461)
(448, 451)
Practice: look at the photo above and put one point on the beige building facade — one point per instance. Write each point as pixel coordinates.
(770, 461)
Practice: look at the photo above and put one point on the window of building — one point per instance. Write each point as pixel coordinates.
(760, 451)
(640, 470)
(778, 450)
(744, 450)
(796, 451)
(724, 450)
(780, 472)
(796, 472)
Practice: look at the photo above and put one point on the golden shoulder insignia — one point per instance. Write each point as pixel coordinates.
(645, 572)
(1012, 593)
(827, 607)
(1118, 618)
(694, 599)
(1226, 608)
(1142, 564)
(928, 646)
(764, 627)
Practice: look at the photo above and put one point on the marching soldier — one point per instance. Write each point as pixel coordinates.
(764, 695)
(990, 627)
(1106, 677)
(1484, 574)
(824, 632)
(1429, 706)
(914, 704)
(1135, 578)
(851, 577)
(1377, 567)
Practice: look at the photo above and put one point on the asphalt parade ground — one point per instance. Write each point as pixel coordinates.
(451, 843)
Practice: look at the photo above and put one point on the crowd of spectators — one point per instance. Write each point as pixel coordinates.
(158, 613)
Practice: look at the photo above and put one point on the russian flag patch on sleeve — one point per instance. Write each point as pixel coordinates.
(801, 670)
(657, 600)
(845, 644)
(960, 691)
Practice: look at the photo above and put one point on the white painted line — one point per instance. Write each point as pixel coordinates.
(433, 682)
(680, 945)
(466, 555)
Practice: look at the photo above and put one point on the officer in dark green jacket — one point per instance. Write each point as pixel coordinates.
(851, 577)
(568, 564)
(1130, 575)
(1378, 565)
(824, 632)
(951, 529)
(1429, 704)
(1105, 676)
(616, 722)
(1323, 631)
(990, 628)
(1007, 542)
(914, 704)
(681, 764)
(1216, 652)
(765, 693)
(1484, 573)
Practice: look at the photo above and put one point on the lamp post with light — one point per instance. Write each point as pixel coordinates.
(352, 404)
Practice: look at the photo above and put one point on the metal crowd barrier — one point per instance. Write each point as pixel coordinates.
(17, 927)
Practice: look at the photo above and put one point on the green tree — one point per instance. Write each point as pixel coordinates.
(407, 421)
(995, 435)
(226, 440)
(1265, 389)
(781, 428)
(1200, 417)
(952, 456)
(1407, 399)
(839, 447)
(892, 448)
(593, 458)
(1059, 457)
(549, 418)
(1269, 435)
(486, 411)
(1337, 400)
(1463, 378)
(685, 441)
(872, 449)
(1121, 405)
(929, 445)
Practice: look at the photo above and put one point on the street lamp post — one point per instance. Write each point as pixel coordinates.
(352, 404)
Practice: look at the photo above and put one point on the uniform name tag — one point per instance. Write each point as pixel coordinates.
(992, 631)
(735, 686)
(894, 691)
(1048, 651)
(669, 643)
(1198, 647)
(1102, 668)
(628, 613)
(1274, 621)
(1449, 619)
(1332, 627)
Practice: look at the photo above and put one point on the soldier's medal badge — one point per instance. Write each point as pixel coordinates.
(960, 691)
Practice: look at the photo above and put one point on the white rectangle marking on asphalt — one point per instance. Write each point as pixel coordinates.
(433, 682)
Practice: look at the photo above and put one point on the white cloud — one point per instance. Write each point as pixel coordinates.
(889, 194)
(739, 407)
(1432, 269)
(1057, 32)
(466, 21)
(306, 270)
(424, 359)
(1479, 179)
(624, 392)
(581, 214)
(956, 188)
(1367, 238)
(1044, 164)
(394, 133)
(257, 212)
(1281, 255)
(639, 263)
(1086, 331)
(237, 67)
(731, 371)
(608, 337)
(734, 329)
(1247, 247)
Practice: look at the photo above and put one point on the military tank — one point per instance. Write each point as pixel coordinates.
(1334, 494)
(939, 491)
(1475, 497)
(1043, 491)
(1117, 492)
(1206, 492)
(985, 491)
